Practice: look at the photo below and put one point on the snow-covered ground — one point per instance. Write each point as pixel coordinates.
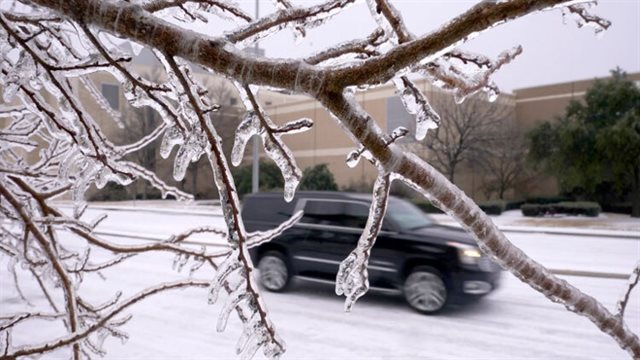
(514, 322)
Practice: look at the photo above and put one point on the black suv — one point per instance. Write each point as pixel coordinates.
(433, 265)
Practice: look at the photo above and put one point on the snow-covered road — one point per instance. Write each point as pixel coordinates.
(514, 322)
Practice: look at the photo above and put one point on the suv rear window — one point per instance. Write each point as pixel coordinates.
(335, 213)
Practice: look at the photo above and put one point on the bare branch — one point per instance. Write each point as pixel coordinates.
(624, 300)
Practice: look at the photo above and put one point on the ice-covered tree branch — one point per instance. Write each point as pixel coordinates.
(58, 41)
(624, 299)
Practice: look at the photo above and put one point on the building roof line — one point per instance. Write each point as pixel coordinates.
(550, 97)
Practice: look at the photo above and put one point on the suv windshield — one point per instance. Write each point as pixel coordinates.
(407, 216)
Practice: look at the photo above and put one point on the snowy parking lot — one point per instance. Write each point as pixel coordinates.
(514, 322)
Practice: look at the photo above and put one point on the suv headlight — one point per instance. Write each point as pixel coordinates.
(467, 254)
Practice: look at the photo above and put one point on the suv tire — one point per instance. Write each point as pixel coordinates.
(425, 290)
(274, 272)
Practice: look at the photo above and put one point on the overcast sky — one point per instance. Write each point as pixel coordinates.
(553, 51)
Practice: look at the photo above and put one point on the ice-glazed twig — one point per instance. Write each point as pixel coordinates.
(75, 336)
(352, 280)
(583, 17)
(260, 237)
(452, 78)
(46, 246)
(365, 48)
(631, 283)
(305, 17)
(225, 6)
(275, 148)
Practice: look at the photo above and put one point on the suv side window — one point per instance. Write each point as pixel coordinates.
(335, 213)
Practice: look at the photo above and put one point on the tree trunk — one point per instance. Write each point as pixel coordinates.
(502, 191)
(635, 193)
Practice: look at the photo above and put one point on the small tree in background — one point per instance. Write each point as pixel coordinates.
(318, 177)
(504, 161)
(270, 177)
(594, 149)
(466, 130)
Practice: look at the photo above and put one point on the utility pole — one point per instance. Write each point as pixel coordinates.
(255, 173)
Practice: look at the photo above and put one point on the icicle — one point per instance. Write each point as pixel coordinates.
(235, 298)
(228, 266)
(283, 158)
(417, 105)
(247, 128)
(257, 341)
(248, 332)
(353, 277)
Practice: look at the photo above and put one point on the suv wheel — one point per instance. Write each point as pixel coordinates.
(274, 273)
(425, 291)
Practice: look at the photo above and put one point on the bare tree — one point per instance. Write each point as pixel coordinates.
(465, 131)
(503, 160)
(46, 43)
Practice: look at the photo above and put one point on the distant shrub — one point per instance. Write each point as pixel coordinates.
(585, 208)
(318, 177)
(547, 199)
(493, 207)
(514, 204)
(270, 177)
(534, 210)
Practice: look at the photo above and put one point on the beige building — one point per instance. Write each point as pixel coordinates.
(327, 143)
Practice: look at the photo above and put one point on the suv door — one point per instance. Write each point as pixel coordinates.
(334, 227)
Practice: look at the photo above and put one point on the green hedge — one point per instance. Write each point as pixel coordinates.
(514, 204)
(547, 199)
(585, 208)
(493, 207)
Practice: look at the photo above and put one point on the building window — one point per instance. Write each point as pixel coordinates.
(112, 94)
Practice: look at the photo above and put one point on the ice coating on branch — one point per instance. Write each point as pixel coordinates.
(172, 137)
(188, 152)
(580, 13)
(295, 126)
(314, 16)
(247, 128)
(353, 158)
(464, 82)
(228, 266)
(233, 300)
(274, 147)
(352, 280)
(260, 237)
(417, 105)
